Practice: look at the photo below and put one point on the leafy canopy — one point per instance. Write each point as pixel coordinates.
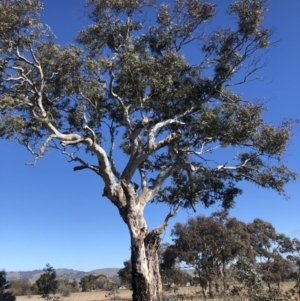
(130, 81)
(47, 283)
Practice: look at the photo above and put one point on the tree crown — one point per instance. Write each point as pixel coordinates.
(128, 83)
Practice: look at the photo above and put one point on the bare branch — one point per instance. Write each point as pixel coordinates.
(24, 59)
(151, 135)
(66, 142)
(242, 165)
(85, 165)
(38, 65)
(112, 146)
(23, 77)
(43, 149)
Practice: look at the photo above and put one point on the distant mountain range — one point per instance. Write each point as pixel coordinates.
(67, 274)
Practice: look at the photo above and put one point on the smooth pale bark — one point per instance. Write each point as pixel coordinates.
(146, 280)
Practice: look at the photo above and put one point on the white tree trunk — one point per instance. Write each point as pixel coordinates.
(146, 280)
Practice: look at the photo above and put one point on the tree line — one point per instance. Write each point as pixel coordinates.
(222, 251)
(49, 287)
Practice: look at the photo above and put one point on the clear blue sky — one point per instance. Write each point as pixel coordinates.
(49, 214)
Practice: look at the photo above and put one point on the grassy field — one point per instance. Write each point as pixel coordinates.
(127, 294)
(86, 296)
(103, 295)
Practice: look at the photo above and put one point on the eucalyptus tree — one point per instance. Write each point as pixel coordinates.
(270, 249)
(128, 81)
(209, 245)
(93, 282)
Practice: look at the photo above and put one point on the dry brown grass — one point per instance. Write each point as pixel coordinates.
(102, 295)
(285, 286)
(84, 296)
(126, 294)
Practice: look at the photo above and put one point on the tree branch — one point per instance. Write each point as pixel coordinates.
(143, 178)
(42, 149)
(151, 135)
(110, 156)
(85, 165)
(120, 100)
(160, 229)
(167, 172)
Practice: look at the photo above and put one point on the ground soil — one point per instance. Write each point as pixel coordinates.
(127, 294)
(104, 295)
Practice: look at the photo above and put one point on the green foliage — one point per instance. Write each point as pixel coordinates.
(270, 247)
(218, 246)
(174, 276)
(93, 282)
(252, 281)
(85, 284)
(209, 245)
(47, 283)
(15, 17)
(249, 276)
(127, 70)
(125, 274)
(4, 285)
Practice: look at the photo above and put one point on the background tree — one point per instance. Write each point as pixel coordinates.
(75, 286)
(66, 287)
(129, 82)
(171, 274)
(276, 270)
(21, 287)
(125, 274)
(251, 279)
(93, 282)
(216, 245)
(270, 248)
(175, 276)
(209, 245)
(4, 285)
(47, 283)
(86, 283)
(252, 285)
(34, 289)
